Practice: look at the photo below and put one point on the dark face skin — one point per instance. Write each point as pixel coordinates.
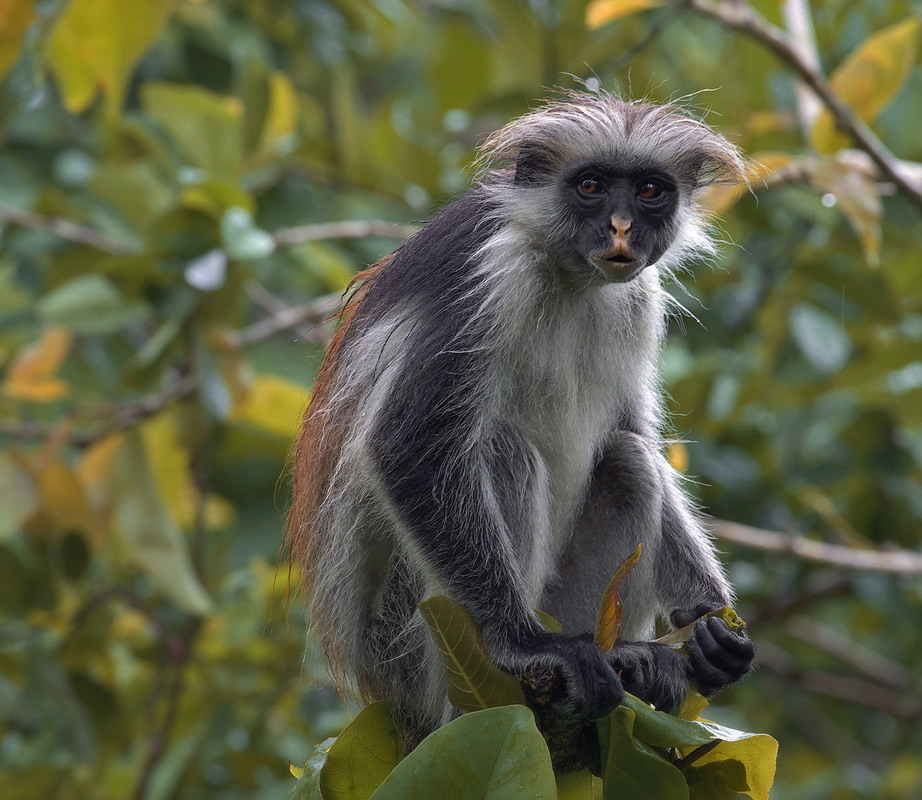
(624, 218)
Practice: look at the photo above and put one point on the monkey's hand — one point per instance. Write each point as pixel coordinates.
(718, 656)
(653, 672)
(586, 686)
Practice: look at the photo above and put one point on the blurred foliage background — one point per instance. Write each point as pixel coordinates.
(187, 187)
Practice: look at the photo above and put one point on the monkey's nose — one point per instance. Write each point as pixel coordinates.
(621, 226)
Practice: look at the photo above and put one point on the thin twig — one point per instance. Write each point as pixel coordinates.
(897, 703)
(122, 417)
(65, 229)
(850, 652)
(289, 317)
(784, 603)
(356, 229)
(738, 15)
(698, 752)
(903, 562)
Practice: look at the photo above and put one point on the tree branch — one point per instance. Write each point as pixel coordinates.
(122, 417)
(903, 562)
(65, 229)
(897, 703)
(351, 229)
(739, 16)
(843, 649)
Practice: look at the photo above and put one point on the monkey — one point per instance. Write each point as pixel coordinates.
(488, 424)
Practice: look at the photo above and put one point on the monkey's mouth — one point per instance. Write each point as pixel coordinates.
(619, 265)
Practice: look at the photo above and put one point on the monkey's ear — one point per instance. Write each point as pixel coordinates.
(531, 165)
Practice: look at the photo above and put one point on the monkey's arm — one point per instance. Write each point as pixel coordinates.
(460, 498)
(692, 583)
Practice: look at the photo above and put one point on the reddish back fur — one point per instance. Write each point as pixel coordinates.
(319, 443)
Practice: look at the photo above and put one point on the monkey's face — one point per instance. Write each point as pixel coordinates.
(622, 218)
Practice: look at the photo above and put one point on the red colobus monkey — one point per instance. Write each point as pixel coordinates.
(487, 424)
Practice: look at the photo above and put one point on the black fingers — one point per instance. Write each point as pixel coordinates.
(653, 672)
(718, 656)
(590, 686)
(682, 618)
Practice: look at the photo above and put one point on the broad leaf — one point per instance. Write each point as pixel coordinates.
(96, 43)
(632, 768)
(19, 495)
(496, 754)
(308, 785)
(869, 79)
(16, 16)
(241, 238)
(31, 376)
(273, 404)
(611, 615)
(205, 126)
(574, 785)
(756, 752)
(90, 304)
(601, 12)
(362, 756)
(474, 681)
(151, 538)
(821, 337)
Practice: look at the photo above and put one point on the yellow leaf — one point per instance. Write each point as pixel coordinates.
(608, 623)
(282, 117)
(296, 771)
(31, 375)
(601, 12)
(869, 79)
(719, 197)
(63, 501)
(96, 43)
(273, 404)
(678, 456)
(15, 17)
(757, 752)
(169, 465)
(849, 178)
(151, 538)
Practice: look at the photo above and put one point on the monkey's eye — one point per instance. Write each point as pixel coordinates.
(649, 190)
(590, 187)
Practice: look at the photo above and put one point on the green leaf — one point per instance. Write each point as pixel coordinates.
(549, 624)
(242, 240)
(869, 79)
(632, 768)
(18, 495)
(474, 681)
(151, 538)
(90, 304)
(96, 43)
(574, 785)
(308, 785)
(212, 388)
(756, 752)
(362, 756)
(496, 754)
(205, 126)
(821, 338)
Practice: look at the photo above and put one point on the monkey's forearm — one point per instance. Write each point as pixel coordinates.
(690, 578)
